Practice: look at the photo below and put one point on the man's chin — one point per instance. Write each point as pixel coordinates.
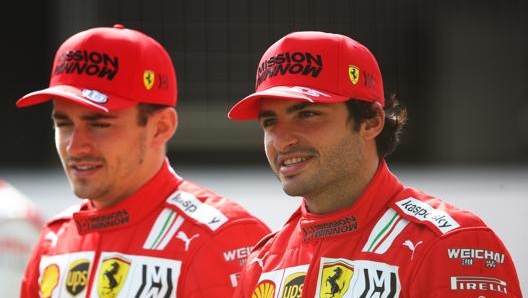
(83, 190)
(291, 189)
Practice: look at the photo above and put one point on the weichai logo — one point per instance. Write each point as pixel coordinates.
(307, 64)
(92, 63)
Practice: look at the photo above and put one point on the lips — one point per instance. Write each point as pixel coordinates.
(84, 169)
(292, 165)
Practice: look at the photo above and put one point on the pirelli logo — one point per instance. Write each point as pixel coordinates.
(478, 283)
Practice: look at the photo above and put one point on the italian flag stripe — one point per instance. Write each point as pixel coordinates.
(384, 232)
(166, 225)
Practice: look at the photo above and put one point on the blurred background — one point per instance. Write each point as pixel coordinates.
(460, 67)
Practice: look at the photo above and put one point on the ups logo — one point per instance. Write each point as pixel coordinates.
(77, 278)
(293, 286)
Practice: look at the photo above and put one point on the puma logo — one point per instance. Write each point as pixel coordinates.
(258, 261)
(52, 237)
(411, 246)
(182, 236)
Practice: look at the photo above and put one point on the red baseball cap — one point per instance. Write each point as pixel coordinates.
(108, 69)
(313, 66)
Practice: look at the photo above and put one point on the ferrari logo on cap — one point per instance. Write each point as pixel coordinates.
(353, 74)
(148, 79)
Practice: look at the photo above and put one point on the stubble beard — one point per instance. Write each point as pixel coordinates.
(333, 171)
(85, 189)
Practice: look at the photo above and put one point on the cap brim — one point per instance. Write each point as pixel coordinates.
(249, 107)
(74, 95)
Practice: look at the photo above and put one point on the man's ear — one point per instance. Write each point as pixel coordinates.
(372, 127)
(165, 124)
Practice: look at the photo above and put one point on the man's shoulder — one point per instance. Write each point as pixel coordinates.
(206, 196)
(206, 207)
(63, 217)
(438, 215)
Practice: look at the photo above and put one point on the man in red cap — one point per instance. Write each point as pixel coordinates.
(141, 230)
(359, 232)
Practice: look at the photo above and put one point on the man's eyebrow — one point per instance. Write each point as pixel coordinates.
(299, 106)
(87, 117)
(292, 108)
(264, 114)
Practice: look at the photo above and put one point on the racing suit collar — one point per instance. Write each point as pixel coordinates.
(131, 209)
(381, 189)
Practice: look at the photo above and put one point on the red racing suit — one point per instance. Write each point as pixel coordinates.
(395, 241)
(171, 238)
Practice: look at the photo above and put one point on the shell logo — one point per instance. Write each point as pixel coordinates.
(49, 280)
(264, 289)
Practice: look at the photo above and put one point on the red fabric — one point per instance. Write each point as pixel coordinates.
(170, 239)
(394, 241)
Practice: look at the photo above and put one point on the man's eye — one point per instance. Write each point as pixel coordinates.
(307, 113)
(101, 125)
(266, 122)
(61, 124)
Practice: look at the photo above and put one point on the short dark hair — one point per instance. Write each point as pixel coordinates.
(395, 119)
(147, 109)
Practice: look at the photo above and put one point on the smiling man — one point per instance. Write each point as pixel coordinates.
(359, 232)
(141, 230)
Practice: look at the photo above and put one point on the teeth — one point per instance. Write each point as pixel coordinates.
(84, 168)
(294, 160)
